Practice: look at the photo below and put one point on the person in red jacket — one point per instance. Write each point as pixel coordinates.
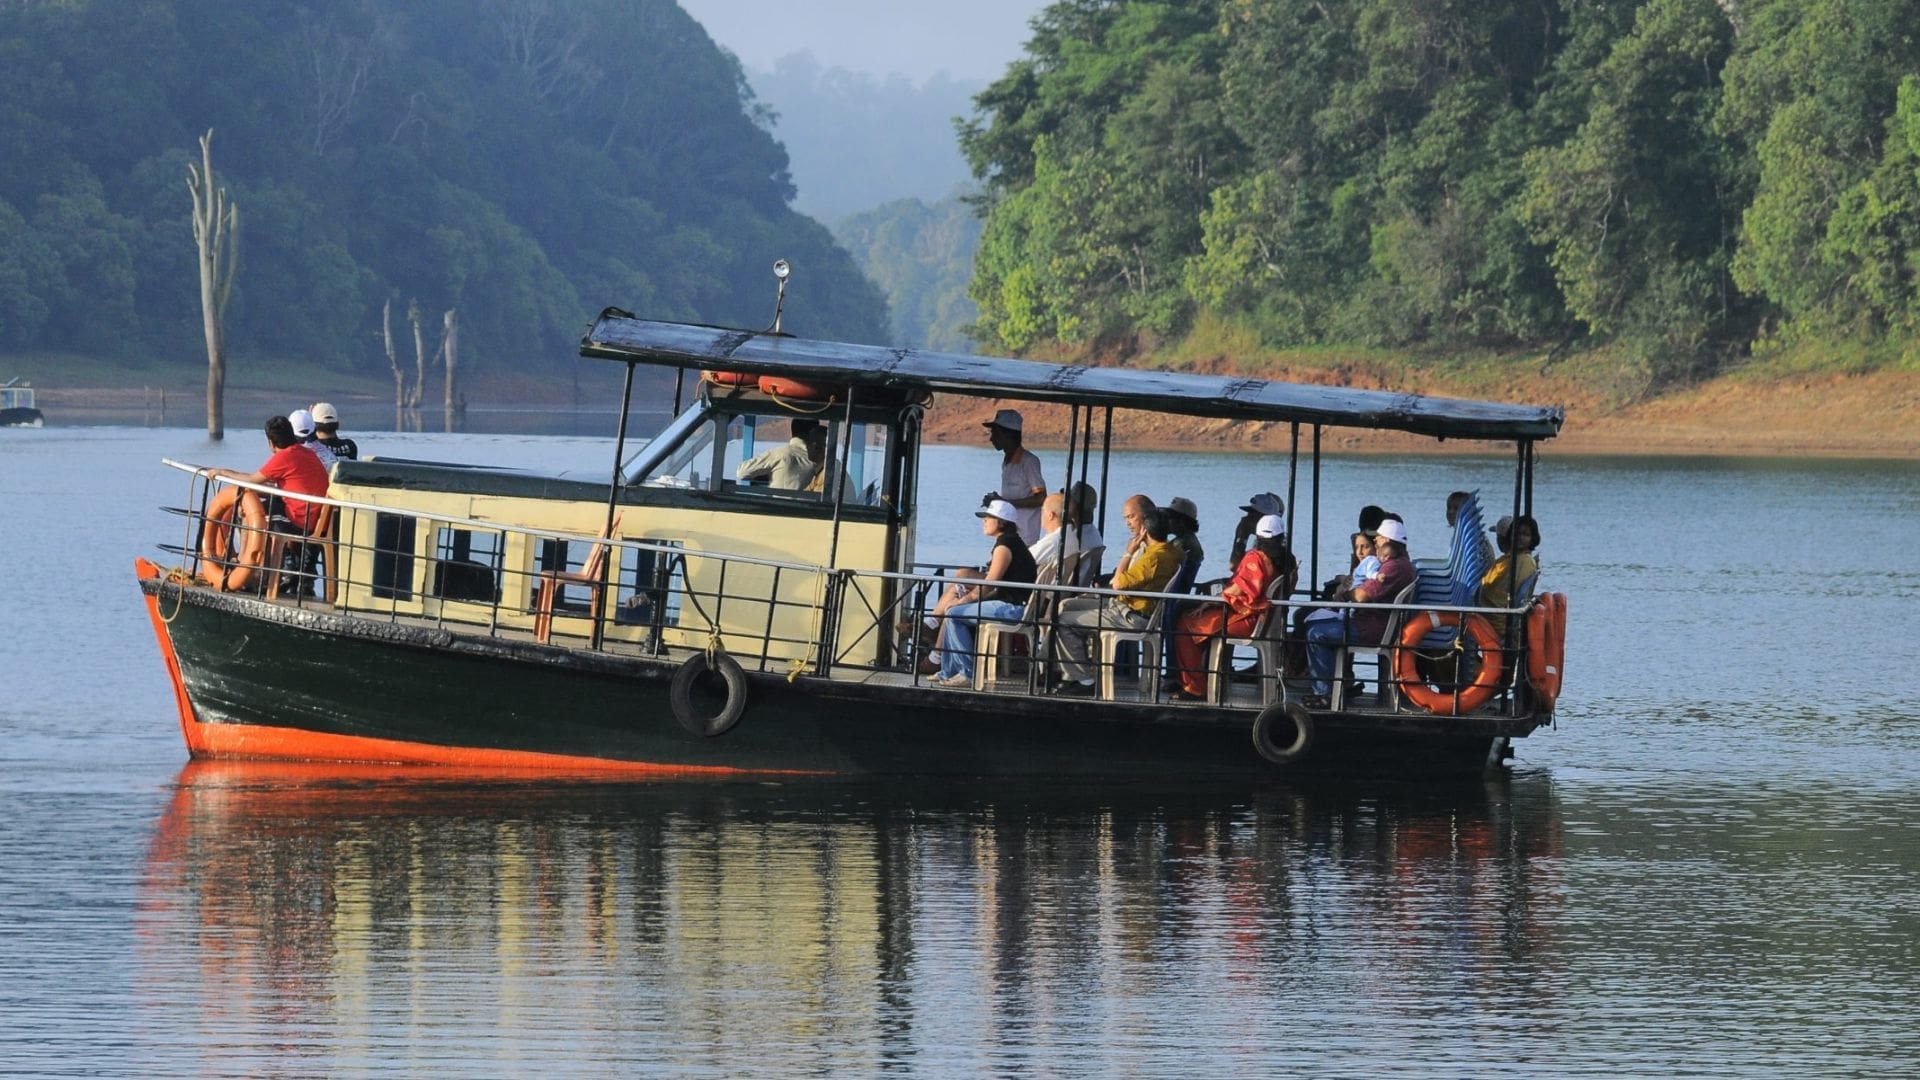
(292, 469)
(1246, 601)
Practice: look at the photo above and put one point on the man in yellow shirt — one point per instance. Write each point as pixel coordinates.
(1148, 565)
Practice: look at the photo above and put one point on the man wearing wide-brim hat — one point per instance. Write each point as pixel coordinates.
(1021, 481)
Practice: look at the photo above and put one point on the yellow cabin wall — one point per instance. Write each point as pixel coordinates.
(749, 589)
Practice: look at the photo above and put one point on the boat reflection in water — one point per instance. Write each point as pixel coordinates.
(363, 913)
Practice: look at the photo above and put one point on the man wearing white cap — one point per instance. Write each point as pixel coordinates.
(1363, 626)
(326, 424)
(303, 428)
(1256, 508)
(1021, 481)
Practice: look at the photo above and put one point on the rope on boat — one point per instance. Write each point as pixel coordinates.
(177, 576)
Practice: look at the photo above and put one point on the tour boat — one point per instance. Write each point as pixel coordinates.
(677, 622)
(16, 406)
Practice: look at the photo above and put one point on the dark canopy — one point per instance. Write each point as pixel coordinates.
(616, 335)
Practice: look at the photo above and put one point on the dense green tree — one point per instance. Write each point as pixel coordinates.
(524, 160)
(1813, 90)
(921, 256)
(1636, 203)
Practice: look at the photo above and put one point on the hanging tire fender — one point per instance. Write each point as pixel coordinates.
(1283, 734)
(691, 671)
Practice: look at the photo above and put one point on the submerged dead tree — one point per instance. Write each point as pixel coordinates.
(449, 342)
(216, 231)
(393, 358)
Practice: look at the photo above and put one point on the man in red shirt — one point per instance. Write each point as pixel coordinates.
(292, 468)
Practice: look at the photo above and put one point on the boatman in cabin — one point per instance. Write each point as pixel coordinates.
(1021, 482)
(792, 464)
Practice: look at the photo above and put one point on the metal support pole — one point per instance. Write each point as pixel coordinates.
(1315, 523)
(613, 506)
(1106, 463)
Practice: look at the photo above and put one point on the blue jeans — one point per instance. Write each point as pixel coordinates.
(963, 625)
(1323, 637)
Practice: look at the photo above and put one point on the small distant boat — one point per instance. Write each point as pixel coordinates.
(16, 406)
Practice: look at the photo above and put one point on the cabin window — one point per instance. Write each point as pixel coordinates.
(650, 586)
(466, 564)
(692, 465)
(393, 540)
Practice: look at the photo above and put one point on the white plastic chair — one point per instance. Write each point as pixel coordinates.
(1220, 660)
(991, 634)
(1382, 654)
(1149, 638)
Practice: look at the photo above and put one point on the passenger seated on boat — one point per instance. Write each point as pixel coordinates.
(1148, 565)
(1010, 562)
(293, 469)
(1517, 538)
(1328, 629)
(1183, 518)
(1060, 539)
(1255, 508)
(1246, 599)
(792, 464)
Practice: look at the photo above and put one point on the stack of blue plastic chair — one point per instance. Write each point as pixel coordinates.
(1458, 581)
(1443, 582)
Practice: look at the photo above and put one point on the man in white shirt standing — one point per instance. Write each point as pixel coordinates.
(1021, 481)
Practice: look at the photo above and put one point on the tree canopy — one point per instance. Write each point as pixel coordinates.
(1678, 176)
(528, 161)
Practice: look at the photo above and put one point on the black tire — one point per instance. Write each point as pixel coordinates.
(1290, 722)
(698, 671)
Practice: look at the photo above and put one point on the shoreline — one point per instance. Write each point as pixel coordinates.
(1873, 416)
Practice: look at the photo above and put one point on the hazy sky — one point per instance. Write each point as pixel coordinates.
(971, 39)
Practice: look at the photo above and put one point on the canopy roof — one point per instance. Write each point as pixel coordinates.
(617, 335)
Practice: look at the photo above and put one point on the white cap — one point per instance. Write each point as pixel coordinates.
(1394, 531)
(1001, 509)
(1005, 418)
(1265, 503)
(325, 413)
(1180, 504)
(302, 422)
(1270, 526)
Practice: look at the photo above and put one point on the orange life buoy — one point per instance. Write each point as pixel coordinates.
(218, 567)
(1439, 702)
(778, 386)
(730, 378)
(1546, 646)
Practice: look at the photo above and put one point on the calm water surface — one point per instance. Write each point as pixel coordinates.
(1709, 867)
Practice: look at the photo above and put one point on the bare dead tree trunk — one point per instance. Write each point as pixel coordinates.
(449, 356)
(393, 358)
(216, 233)
(418, 391)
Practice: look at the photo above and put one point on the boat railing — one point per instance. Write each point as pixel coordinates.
(584, 591)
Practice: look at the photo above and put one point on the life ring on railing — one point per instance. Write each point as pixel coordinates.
(1283, 733)
(1447, 702)
(1546, 646)
(702, 670)
(218, 567)
(729, 378)
(779, 386)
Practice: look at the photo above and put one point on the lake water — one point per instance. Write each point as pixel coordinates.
(1711, 866)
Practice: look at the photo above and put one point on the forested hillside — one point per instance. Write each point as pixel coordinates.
(527, 161)
(921, 256)
(1680, 178)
